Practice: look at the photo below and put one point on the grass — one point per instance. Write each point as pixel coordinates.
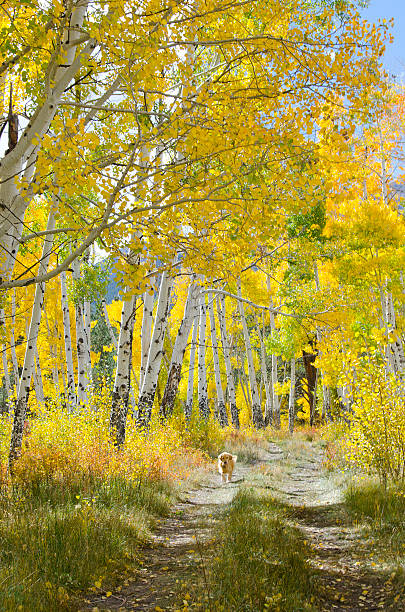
(57, 540)
(383, 510)
(259, 561)
(248, 447)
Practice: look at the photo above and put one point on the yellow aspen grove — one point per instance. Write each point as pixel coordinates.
(202, 307)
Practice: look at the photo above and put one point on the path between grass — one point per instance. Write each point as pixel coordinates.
(344, 574)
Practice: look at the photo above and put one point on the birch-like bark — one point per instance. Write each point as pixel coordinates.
(55, 370)
(83, 351)
(25, 151)
(203, 405)
(14, 359)
(325, 388)
(146, 332)
(87, 327)
(38, 383)
(148, 389)
(274, 370)
(21, 160)
(188, 408)
(115, 343)
(397, 344)
(174, 374)
(268, 408)
(257, 415)
(227, 358)
(6, 374)
(52, 336)
(70, 384)
(30, 351)
(7, 384)
(395, 349)
(222, 415)
(122, 382)
(291, 399)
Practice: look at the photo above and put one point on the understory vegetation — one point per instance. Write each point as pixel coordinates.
(77, 512)
(59, 538)
(382, 510)
(260, 562)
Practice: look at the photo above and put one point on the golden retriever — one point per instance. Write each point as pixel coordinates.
(226, 466)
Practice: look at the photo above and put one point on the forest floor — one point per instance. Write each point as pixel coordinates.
(346, 574)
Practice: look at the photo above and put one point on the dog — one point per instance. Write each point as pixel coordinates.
(226, 466)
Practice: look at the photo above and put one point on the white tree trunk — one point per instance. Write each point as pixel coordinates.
(188, 409)
(268, 408)
(146, 332)
(7, 384)
(291, 399)
(325, 388)
(257, 415)
(115, 343)
(52, 336)
(83, 352)
(227, 358)
(23, 156)
(274, 370)
(87, 327)
(148, 389)
(397, 344)
(394, 351)
(38, 383)
(14, 359)
(31, 349)
(223, 417)
(122, 382)
(203, 405)
(174, 373)
(71, 397)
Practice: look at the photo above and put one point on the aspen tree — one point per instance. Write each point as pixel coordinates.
(203, 405)
(71, 399)
(274, 371)
(179, 348)
(188, 408)
(291, 399)
(82, 347)
(146, 331)
(31, 350)
(325, 388)
(257, 415)
(38, 383)
(122, 382)
(223, 417)
(268, 409)
(155, 355)
(227, 358)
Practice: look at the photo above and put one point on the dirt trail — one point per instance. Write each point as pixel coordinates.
(346, 575)
(176, 543)
(318, 510)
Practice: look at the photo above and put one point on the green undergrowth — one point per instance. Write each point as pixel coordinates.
(257, 561)
(57, 541)
(383, 511)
